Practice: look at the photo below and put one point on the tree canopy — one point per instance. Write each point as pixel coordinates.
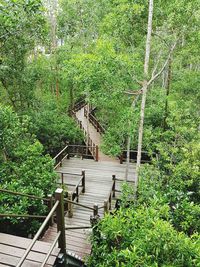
(137, 64)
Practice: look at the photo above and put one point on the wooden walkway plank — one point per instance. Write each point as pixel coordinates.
(98, 187)
(12, 248)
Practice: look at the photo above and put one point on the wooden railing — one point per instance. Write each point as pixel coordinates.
(108, 201)
(61, 156)
(94, 122)
(91, 146)
(133, 156)
(78, 188)
(73, 196)
(79, 105)
(112, 194)
(58, 207)
(90, 151)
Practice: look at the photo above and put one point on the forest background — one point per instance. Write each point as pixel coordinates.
(53, 54)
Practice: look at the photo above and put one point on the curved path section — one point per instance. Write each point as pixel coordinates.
(94, 135)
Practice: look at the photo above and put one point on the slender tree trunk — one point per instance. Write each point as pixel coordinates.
(129, 138)
(144, 90)
(71, 97)
(128, 156)
(169, 76)
(88, 127)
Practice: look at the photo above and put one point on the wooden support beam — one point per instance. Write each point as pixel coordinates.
(60, 220)
(83, 181)
(114, 185)
(50, 206)
(95, 210)
(70, 205)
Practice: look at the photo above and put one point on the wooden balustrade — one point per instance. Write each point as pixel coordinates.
(79, 105)
(58, 207)
(74, 194)
(108, 202)
(60, 157)
(94, 122)
(145, 158)
(83, 151)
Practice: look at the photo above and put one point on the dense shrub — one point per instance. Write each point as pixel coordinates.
(142, 236)
(23, 168)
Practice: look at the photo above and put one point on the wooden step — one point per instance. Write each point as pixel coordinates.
(13, 247)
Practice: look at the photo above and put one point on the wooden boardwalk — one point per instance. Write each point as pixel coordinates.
(99, 182)
(94, 135)
(12, 249)
(98, 187)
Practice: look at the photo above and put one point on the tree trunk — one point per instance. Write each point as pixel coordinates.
(144, 90)
(71, 97)
(128, 156)
(129, 138)
(169, 76)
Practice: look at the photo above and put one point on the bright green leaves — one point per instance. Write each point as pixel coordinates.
(138, 236)
(22, 26)
(23, 168)
(125, 22)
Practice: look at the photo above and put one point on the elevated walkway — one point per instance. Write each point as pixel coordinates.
(12, 248)
(98, 189)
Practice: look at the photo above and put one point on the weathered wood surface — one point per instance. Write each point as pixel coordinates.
(94, 135)
(12, 249)
(98, 186)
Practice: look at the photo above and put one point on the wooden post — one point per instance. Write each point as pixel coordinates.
(83, 181)
(62, 178)
(50, 206)
(114, 185)
(95, 209)
(60, 220)
(110, 201)
(121, 159)
(105, 206)
(70, 207)
(97, 153)
(77, 196)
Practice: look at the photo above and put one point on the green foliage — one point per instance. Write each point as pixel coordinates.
(140, 236)
(22, 26)
(54, 128)
(23, 168)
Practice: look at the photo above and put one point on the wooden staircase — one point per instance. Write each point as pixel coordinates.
(103, 179)
(92, 185)
(12, 249)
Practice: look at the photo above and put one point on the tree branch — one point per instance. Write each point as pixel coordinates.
(164, 65)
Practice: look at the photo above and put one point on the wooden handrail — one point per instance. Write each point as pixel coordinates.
(108, 201)
(77, 227)
(22, 194)
(38, 234)
(60, 152)
(78, 204)
(58, 162)
(51, 249)
(122, 157)
(122, 180)
(82, 149)
(80, 183)
(80, 104)
(60, 237)
(93, 120)
(7, 215)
